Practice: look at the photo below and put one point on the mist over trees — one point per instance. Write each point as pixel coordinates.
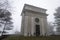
(50, 28)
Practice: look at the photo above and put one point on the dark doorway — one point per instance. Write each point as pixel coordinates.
(37, 30)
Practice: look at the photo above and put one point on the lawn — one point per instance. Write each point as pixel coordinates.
(32, 38)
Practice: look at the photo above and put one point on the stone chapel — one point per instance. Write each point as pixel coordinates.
(34, 21)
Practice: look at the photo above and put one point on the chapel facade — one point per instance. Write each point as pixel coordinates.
(34, 21)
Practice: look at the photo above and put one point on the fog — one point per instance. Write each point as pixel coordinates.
(17, 6)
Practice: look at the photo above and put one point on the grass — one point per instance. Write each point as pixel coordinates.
(33, 38)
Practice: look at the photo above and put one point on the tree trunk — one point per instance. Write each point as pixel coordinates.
(3, 29)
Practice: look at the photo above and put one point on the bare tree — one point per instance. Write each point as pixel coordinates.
(4, 4)
(5, 15)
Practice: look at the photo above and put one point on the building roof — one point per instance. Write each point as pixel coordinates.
(34, 9)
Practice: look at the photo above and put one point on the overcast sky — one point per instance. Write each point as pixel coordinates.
(17, 5)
